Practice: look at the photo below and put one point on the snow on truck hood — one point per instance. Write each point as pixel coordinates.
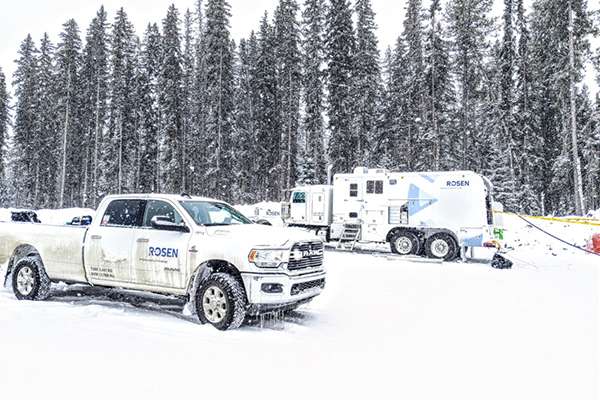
(263, 235)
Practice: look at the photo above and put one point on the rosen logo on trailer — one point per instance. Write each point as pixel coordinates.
(458, 183)
(163, 252)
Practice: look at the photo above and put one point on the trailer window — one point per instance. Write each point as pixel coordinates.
(354, 190)
(374, 187)
(299, 197)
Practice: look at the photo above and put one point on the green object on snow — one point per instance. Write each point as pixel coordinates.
(499, 233)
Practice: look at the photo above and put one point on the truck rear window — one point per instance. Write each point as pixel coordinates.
(123, 213)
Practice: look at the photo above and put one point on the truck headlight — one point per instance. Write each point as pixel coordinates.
(268, 258)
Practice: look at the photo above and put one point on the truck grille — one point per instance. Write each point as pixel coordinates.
(300, 288)
(306, 255)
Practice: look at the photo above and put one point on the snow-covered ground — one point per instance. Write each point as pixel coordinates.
(385, 328)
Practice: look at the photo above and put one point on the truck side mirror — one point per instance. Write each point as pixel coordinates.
(164, 223)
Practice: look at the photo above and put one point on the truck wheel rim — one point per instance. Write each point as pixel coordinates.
(25, 281)
(404, 245)
(214, 304)
(440, 248)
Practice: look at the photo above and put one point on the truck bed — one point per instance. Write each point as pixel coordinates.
(59, 246)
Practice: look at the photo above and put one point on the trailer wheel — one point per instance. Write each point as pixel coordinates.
(441, 246)
(29, 279)
(405, 243)
(221, 302)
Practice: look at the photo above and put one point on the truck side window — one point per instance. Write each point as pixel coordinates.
(160, 208)
(123, 213)
(299, 197)
(354, 190)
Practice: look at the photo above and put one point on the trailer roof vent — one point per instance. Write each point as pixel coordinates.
(361, 171)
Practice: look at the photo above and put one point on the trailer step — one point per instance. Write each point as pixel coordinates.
(349, 237)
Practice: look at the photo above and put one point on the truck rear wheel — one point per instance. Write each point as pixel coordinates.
(441, 246)
(29, 279)
(221, 302)
(405, 243)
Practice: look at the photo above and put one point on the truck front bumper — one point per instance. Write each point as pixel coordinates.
(281, 289)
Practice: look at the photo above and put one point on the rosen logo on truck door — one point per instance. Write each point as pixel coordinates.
(163, 252)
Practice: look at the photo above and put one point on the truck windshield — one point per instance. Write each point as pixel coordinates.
(207, 213)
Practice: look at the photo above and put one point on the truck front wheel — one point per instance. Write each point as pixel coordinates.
(221, 302)
(405, 243)
(29, 279)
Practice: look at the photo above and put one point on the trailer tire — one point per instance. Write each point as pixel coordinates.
(405, 243)
(221, 302)
(29, 279)
(441, 246)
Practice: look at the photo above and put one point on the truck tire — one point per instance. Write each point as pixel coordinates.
(441, 246)
(221, 302)
(405, 243)
(29, 279)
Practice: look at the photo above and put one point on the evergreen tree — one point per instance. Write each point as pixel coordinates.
(417, 146)
(24, 84)
(245, 138)
(528, 144)
(47, 127)
(69, 96)
(4, 123)
(267, 117)
(468, 27)
(187, 110)
(117, 149)
(170, 101)
(148, 110)
(219, 98)
(289, 77)
(366, 79)
(312, 158)
(440, 97)
(340, 48)
(94, 76)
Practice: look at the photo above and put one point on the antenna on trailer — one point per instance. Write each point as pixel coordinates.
(330, 174)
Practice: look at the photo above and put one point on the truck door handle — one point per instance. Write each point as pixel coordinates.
(143, 240)
(96, 237)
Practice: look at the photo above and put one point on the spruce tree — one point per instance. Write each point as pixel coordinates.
(289, 77)
(468, 28)
(24, 84)
(245, 138)
(170, 101)
(187, 109)
(148, 110)
(418, 148)
(47, 127)
(366, 80)
(312, 163)
(219, 99)
(4, 123)
(267, 117)
(94, 76)
(440, 96)
(340, 48)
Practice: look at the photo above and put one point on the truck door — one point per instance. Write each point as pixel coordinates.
(109, 243)
(160, 256)
(355, 201)
(375, 211)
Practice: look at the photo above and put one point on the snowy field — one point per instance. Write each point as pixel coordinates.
(385, 328)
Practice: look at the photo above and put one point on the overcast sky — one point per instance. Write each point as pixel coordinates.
(20, 17)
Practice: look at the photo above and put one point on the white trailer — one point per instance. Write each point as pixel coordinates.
(419, 213)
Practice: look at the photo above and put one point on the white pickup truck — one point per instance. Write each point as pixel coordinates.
(202, 249)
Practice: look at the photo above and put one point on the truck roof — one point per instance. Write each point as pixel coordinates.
(150, 196)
